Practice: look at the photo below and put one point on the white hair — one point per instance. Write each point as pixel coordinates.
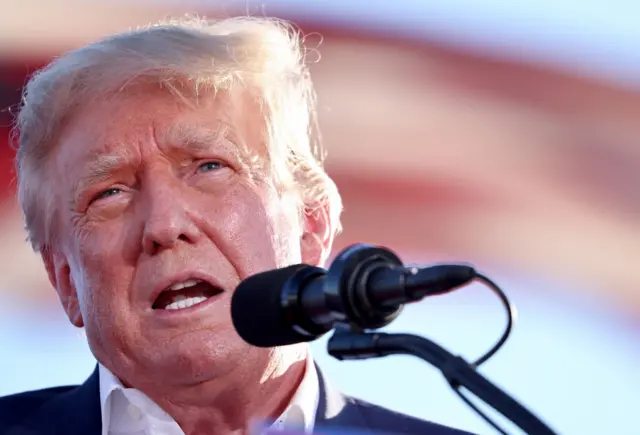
(186, 56)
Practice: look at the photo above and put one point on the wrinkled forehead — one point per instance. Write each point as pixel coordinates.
(117, 124)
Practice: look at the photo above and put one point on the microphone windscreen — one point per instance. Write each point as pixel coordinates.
(257, 310)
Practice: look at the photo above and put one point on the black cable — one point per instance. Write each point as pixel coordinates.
(459, 373)
(511, 315)
(478, 411)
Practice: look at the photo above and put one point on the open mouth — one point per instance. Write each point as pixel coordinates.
(185, 294)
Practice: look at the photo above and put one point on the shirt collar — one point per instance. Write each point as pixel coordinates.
(115, 399)
(301, 412)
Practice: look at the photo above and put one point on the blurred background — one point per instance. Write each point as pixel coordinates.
(502, 133)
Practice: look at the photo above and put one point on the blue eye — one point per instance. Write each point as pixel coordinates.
(209, 166)
(107, 193)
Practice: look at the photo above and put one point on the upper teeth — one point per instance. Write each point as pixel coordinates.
(181, 285)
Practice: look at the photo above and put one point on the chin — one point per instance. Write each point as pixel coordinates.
(199, 356)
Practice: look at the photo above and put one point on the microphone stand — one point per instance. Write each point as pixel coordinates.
(350, 343)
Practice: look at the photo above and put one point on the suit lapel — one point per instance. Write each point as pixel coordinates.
(75, 412)
(334, 408)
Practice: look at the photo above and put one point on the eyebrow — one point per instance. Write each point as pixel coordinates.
(97, 171)
(178, 138)
(197, 140)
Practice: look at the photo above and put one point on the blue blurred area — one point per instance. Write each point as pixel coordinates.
(594, 38)
(572, 362)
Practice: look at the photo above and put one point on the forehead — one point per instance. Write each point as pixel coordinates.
(154, 115)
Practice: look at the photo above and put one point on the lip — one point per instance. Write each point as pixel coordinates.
(182, 277)
(186, 313)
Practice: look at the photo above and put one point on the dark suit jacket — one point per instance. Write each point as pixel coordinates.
(75, 410)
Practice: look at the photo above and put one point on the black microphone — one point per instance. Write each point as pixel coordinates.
(365, 287)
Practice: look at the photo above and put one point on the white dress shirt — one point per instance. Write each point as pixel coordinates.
(131, 412)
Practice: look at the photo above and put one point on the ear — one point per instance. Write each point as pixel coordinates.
(317, 236)
(60, 277)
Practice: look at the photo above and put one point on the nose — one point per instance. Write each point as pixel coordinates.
(168, 221)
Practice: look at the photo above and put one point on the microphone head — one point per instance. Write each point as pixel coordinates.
(258, 309)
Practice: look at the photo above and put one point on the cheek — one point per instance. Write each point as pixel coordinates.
(256, 231)
(108, 243)
(103, 271)
(104, 301)
(288, 226)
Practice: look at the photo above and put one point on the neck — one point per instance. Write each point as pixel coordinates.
(222, 406)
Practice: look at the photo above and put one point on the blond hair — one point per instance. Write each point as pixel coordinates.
(206, 56)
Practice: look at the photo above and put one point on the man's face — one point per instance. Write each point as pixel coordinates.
(154, 195)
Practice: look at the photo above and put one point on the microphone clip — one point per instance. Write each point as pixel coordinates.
(345, 287)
